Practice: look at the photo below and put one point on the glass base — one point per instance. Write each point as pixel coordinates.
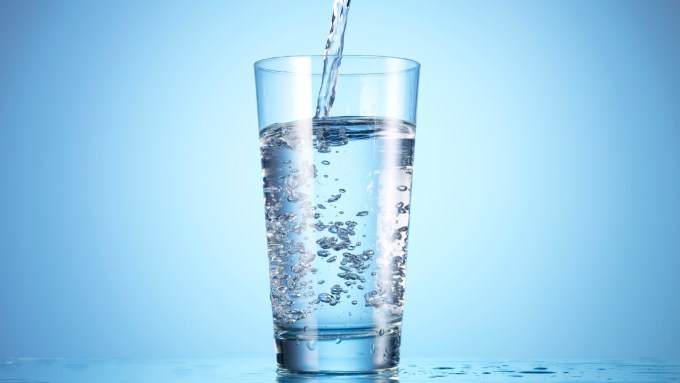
(358, 351)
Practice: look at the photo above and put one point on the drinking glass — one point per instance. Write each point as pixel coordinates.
(337, 195)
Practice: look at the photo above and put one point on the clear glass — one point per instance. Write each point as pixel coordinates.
(337, 205)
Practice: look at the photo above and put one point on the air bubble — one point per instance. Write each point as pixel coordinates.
(325, 297)
(362, 213)
(342, 190)
(326, 162)
(402, 188)
(311, 345)
(336, 290)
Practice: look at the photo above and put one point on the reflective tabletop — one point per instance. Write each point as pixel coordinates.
(27, 370)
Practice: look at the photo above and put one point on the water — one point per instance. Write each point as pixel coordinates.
(249, 370)
(332, 58)
(337, 198)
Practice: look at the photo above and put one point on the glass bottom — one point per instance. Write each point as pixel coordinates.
(339, 351)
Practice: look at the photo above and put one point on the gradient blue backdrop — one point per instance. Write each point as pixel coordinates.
(546, 205)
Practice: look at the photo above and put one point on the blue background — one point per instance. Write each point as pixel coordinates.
(546, 205)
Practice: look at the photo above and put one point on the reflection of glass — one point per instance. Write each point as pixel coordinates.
(337, 208)
(388, 377)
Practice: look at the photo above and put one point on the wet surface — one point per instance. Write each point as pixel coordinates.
(24, 370)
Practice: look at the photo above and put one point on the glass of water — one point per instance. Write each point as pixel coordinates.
(337, 194)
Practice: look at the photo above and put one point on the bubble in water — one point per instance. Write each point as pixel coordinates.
(334, 198)
(325, 297)
(338, 340)
(402, 188)
(326, 162)
(336, 290)
(323, 253)
(320, 206)
(381, 332)
(354, 302)
(311, 345)
(342, 190)
(321, 282)
(362, 213)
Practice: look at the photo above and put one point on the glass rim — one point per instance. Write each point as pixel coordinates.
(408, 65)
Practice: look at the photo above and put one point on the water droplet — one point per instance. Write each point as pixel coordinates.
(362, 213)
(372, 348)
(402, 188)
(338, 340)
(381, 332)
(311, 345)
